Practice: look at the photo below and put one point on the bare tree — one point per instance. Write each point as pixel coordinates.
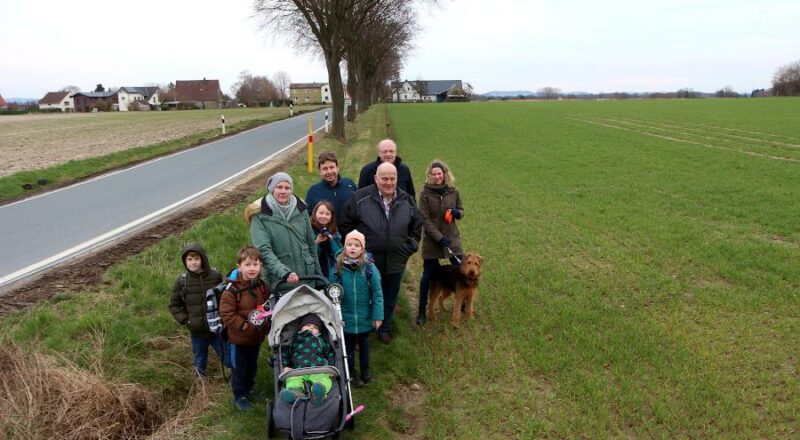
(786, 81)
(282, 81)
(253, 91)
(726, 92)
(549, 92)
(71, 89)
(321, 21)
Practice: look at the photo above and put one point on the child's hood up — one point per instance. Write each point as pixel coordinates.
(195, 247)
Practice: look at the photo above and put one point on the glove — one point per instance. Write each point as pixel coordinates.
(444, 242)
(457, 213)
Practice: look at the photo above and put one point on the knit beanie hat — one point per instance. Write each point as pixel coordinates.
(312, 318)
(277, 178)
(355, 235)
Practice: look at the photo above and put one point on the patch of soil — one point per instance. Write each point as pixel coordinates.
(409, 398)
(86, 272)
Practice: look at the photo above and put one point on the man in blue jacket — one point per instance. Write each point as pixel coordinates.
(333, 187)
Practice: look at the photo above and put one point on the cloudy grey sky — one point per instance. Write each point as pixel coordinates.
(575, 45)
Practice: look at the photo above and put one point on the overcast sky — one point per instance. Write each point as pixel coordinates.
(575, 45)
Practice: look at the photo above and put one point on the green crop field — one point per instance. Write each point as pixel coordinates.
(641, 280)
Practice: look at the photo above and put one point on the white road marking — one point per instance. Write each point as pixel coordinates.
(108, 236)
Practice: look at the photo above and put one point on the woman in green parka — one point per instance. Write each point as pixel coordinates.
(281, 230)
(440, 206)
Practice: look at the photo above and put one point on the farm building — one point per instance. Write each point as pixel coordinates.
(57, 100)
(89, 101)
(144, 98)
(427, 91)
(310, 93)
(203, 93)
(3, 104)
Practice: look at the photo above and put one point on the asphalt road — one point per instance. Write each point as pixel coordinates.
(44, 230)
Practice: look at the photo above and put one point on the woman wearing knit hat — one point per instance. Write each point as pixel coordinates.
(362, 302)
(440, 206)
(280, 228)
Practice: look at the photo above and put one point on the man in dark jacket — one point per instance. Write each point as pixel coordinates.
(333, 187)
(188, 304)
(389, 219)
(387, 152)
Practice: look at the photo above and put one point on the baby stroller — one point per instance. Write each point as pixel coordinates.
(303, 419)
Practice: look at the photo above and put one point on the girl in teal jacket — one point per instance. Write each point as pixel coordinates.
(362, 302)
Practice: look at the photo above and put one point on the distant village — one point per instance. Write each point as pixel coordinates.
(207, 94)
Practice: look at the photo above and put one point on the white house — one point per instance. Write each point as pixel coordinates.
(426, 91)
(60, 100)
(146, 97)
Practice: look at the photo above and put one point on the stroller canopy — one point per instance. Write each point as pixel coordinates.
(297, 302)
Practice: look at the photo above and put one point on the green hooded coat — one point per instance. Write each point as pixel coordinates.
(285, 246)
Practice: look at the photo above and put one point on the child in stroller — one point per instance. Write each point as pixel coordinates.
(308, 416)
(309, 348)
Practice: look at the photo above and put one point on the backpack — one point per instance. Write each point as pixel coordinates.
(368, 261)
(213, 296)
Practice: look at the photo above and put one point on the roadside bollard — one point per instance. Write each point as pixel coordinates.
(222, 119)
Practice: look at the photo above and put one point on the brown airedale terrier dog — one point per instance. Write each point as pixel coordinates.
(463, 280)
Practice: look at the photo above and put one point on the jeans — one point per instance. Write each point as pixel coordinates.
(200, 346)
(244, 359)
(362, 341)
(429, 265)
(390, 283)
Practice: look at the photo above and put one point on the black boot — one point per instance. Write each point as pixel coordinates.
(366, 376)
(355, 381)
(422, 317)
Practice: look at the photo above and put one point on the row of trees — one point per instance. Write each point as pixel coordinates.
(786, 81)
(371, 36)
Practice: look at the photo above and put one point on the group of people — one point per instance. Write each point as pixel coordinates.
(382, 223)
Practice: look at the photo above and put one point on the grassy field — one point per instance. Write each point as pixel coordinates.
(61, 148)
(641, 280)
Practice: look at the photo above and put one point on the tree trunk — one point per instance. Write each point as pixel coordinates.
(337, 95)
(352, 89)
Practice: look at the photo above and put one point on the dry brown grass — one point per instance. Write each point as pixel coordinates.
(42, 396)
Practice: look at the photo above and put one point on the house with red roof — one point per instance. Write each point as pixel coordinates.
(3, 104)
(57, 100)
(203, 93)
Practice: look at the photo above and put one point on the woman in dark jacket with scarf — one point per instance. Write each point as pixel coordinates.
(440, 206)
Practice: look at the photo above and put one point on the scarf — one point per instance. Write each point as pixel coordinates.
(438, 189)
(285, 211)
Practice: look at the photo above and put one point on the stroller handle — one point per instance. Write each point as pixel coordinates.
(318, 279)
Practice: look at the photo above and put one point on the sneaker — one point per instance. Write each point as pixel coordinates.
(356, 382)
(366, 376)
(290, 395)
(317, 393)
(241, 404)
(385, 338)
(421, 318)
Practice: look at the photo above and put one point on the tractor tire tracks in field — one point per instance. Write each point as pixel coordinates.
(680, 134)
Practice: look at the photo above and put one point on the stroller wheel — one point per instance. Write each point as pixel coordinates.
(270, 421)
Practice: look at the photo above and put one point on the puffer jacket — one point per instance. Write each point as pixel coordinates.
(391, 241)
(188, 304)
(286, 246)
(234, 307)
(362, 302)
(432, 205)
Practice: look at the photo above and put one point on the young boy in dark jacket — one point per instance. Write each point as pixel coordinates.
(188, 304)
(245, 294)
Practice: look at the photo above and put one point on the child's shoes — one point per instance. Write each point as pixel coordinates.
(241, 404)
(317, 393)
(290, 395)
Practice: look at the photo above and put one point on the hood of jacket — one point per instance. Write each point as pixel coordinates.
(195, 247)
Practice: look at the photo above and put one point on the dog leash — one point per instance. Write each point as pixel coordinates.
(454, 255)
